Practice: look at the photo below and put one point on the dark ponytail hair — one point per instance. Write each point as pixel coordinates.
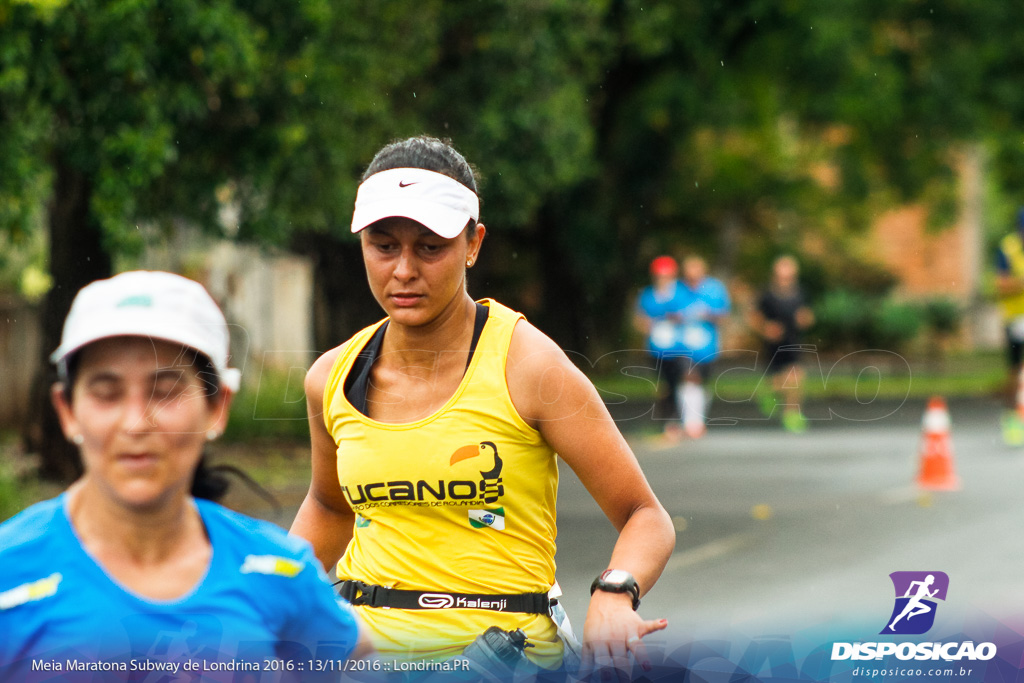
(210, 482)
(431, 154)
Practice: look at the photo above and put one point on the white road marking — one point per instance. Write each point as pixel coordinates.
(708, 551)
(900, 495)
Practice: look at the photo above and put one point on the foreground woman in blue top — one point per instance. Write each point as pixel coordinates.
(127, 572)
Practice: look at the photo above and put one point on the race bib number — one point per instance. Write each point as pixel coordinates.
(663, 335)
(696, 337)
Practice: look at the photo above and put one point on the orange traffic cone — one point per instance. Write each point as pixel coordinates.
(936, 471)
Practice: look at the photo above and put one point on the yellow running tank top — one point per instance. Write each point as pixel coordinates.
(1012, 306)
(462, 501)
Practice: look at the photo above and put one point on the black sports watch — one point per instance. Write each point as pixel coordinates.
(617, 581)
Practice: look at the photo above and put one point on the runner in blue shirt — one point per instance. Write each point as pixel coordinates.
(658, 316)
(707, 304)
(126, 573)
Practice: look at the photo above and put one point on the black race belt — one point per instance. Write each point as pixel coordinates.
(370, 595)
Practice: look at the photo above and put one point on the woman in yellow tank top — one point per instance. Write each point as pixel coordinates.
(434, 437)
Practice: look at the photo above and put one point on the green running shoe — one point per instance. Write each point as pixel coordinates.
(1013, 429)
(794, 421)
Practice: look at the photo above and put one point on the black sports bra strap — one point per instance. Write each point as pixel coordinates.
(357, 382)
(478, 329)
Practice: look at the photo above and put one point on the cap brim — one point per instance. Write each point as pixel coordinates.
(439, 219)
(137, 324)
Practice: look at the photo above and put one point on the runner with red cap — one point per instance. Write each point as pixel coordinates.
(658, 315)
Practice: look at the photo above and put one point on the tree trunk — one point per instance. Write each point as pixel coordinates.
(730, 233)
(342, 301)
(77, 257)
(565, 305)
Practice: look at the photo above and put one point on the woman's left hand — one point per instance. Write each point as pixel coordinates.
(612, 631)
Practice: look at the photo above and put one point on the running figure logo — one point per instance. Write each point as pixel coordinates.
(916, 593)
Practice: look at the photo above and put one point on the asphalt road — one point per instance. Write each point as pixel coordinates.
(779, 532)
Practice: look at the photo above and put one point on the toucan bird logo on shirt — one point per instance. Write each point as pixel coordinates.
(487, 488)
(490, 483)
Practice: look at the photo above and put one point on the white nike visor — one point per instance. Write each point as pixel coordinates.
(439, 203)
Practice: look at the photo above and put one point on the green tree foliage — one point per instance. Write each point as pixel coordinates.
(512, 84)
(607, 130)
(740, 128)
(136, 111)
(848, 321)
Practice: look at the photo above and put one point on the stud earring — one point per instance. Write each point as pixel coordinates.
(77, 439)
(469, 263)
(212, 435)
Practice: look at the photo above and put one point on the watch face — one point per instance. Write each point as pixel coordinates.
(615, 577)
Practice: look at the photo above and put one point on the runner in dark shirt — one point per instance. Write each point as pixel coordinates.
(780, 319)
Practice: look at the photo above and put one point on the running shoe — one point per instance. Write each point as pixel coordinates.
(793, 421)
(673, 432)
(695, 429)
(1013, 429)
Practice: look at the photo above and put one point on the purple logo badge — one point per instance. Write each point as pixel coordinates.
(916, 595)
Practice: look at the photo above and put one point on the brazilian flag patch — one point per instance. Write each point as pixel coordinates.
(495, 519)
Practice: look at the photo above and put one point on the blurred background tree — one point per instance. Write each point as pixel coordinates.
(607, 131)
(127, 117)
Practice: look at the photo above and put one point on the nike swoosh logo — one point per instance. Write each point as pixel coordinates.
(401, 184)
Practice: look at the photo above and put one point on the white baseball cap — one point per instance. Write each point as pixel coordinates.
(151, 304)
(436, 201)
